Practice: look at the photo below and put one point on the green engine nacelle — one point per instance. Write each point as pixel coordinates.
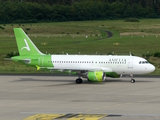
(97, 76)
(112, 75)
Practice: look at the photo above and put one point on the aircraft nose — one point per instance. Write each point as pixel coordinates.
(152, 68)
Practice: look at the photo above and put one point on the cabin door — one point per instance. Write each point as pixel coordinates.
(130, 63)
(41, 61)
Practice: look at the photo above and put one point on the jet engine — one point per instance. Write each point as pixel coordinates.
(96, 76)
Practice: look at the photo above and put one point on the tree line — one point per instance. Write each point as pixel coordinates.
(22, 11)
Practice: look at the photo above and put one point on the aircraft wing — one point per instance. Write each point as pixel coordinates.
(104, 69)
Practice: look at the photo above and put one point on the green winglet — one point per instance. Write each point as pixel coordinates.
(38, 68)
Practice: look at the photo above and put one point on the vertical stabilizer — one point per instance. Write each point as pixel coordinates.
(24, 43)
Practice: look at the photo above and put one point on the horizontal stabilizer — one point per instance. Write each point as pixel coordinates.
(7, 59)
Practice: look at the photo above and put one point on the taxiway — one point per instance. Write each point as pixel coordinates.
(33, 97)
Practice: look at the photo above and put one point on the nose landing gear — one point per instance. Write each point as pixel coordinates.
(132, 80)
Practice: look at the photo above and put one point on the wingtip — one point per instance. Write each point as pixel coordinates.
(38, 68)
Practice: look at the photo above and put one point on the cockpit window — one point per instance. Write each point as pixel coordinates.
(143, 62)
(147, 62)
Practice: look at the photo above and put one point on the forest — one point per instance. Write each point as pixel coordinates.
(31, 11)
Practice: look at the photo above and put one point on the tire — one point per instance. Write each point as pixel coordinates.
(78, 81)
(132, 81)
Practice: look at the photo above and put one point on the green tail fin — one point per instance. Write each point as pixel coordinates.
(25, 45)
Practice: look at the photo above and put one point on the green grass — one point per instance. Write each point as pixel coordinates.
(70, 37)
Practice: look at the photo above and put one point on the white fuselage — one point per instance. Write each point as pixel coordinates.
(106, 63)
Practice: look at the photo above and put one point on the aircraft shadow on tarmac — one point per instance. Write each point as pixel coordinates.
(72, 82)
(118, 80)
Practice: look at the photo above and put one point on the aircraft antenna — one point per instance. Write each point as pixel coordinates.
(130, 53)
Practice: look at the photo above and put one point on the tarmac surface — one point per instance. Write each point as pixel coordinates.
(59, 97)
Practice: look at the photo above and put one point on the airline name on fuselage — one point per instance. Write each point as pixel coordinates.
(117, 60)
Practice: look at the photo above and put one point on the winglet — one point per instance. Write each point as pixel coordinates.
(38, 68)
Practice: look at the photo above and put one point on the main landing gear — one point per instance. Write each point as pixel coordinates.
(132, 80)
(79, 80)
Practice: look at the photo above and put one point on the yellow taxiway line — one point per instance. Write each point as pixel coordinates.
(66, 116)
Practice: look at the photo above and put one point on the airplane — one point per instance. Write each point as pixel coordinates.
(93, 67)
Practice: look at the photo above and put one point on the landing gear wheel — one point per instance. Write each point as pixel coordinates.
(132, 81)
(79, 81)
